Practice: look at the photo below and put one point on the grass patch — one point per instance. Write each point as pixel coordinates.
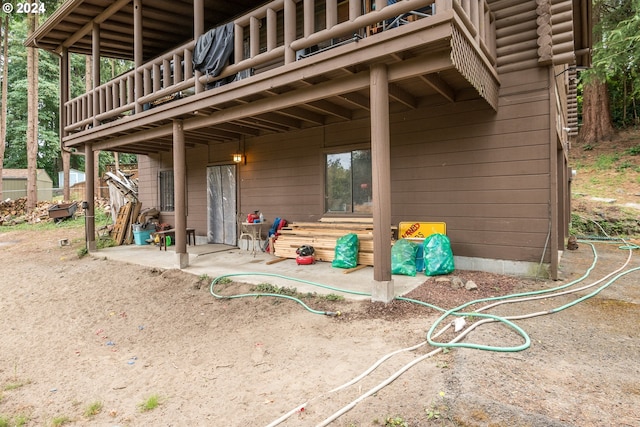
(82, 252)
(18, 421)
(101, 217)
(606, 161)
(633, 151)
(624, 165)
(60, 421)
(268, 288)
(15, 385)
(395, 422)
(205, 278)
(150, 404)
(105, 242)
(93, 409)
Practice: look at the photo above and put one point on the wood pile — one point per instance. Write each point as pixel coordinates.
(13, 212)
(323, 236)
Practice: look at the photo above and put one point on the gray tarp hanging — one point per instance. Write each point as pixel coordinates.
(213, 49)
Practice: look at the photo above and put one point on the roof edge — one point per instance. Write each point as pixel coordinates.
(61, 12)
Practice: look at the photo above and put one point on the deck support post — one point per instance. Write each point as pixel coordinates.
(89, 213)
(179, 189)
(64, 98)
(383, 289)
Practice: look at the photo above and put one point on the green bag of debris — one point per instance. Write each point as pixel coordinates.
(438, 257)
(403, 257)
(346, 255)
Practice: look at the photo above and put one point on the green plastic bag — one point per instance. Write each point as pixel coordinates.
(346, 255)
(403, 257)
(438, 257)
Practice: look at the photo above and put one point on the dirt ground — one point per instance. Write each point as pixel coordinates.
(81, 331)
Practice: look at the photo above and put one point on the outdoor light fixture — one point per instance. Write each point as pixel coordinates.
(237, 158)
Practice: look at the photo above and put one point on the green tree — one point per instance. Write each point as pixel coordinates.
(48, 100)
(611, 89)
(618, 59)
(5, 78)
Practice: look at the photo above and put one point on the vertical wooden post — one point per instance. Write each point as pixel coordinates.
(289, 30)
(198, 18)
(95, 70)
(272, 29)
(309, 17)
(89, 213)
(254, 37)
(381, 177)
(179, 188)
(332, 14)
(238, 43)
(137, 51)
(355, 9)
(64, 98)
(198, 30)
(97, 107)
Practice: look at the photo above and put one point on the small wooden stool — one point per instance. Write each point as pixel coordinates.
(163, 237)
(191, 233)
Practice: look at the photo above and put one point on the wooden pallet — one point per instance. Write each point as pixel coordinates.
(122, 223)
(323, 236)
(135, 212)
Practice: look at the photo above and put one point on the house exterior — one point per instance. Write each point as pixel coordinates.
(14, 184)
(417, 110)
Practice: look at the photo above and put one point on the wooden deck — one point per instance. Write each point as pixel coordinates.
(287, 79)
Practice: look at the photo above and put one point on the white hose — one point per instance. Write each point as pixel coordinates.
(459, 337)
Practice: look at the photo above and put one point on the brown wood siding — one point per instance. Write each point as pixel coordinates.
(485, 173)
(196, 181)
(283, 176)
(148, 168)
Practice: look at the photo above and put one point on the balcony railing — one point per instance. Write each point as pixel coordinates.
(268, 36)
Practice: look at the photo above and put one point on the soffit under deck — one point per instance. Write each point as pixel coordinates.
(166, 23)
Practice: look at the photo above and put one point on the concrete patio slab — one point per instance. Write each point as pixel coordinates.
(216, 260)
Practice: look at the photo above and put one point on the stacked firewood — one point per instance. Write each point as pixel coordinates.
(13, 212)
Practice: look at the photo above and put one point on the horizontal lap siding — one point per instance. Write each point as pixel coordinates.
(485, 174)
(148, 169)
(283, 176)
(196, 181)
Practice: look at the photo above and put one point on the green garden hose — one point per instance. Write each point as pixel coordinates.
(457, 311)
(289, 297)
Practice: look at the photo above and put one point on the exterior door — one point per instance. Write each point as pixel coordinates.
(221, 204)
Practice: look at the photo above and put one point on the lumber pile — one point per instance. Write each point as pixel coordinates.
(323, 236)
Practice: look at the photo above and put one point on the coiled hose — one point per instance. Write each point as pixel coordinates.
(512, 298)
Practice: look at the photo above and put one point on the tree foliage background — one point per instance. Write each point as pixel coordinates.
(616, 58)
(49, 156)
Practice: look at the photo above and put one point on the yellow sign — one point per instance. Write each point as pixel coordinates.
(420, 230)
